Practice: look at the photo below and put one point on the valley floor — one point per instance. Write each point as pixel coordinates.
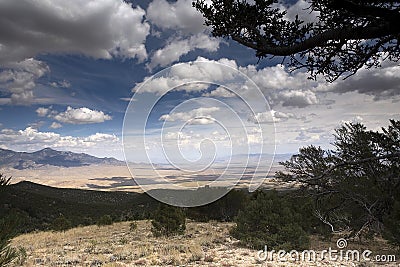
(204, 244)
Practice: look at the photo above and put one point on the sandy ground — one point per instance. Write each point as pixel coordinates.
(109, 177)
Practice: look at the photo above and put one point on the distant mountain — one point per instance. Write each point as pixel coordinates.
(48, 156)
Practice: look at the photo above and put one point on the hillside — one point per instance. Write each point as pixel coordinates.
(38, 205)
(48, 156)
(206, 242)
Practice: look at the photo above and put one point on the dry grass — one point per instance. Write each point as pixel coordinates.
(204, 244)
(116, 245)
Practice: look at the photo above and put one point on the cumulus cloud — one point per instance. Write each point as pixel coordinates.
(19, 79)
(31, 139)
(195, 116)
(61, 84)
(276, 83)
(272, 116)
(100, 137)
(43, 112)
(188, 26)
(297, 98)
(219, 92)
(82, 116)
(179, 15)
(283, 87)
(55, 125)
(382, 83)
(356, 119)
(179, 47)
(277, 77)
(100, 29)
(186, 73)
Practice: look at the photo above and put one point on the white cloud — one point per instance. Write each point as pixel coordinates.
(382, 83)
(55, 125)
(19, 79)
(195, 116)
(272, 117)
(43, 112)
(179, 15)
(277, 77)
(276, 83)
(31, 139)
(100, 137)
(179, 47)
(61, 84)
(190, 33)
(188, 72)
(356, 119)
(100, 29)
(81, 116)
(263, 117)
(282, 87)
(298, 98)
(219, 92)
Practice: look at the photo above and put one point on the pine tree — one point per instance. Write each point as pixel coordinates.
(271, 220)
(7, 225)
(168, 220)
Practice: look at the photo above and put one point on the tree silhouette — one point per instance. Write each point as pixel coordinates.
(345, 36)
(355, 186)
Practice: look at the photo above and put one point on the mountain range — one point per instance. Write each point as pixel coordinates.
(48, 156)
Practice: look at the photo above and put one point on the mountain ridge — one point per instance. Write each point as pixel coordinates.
(52, 157)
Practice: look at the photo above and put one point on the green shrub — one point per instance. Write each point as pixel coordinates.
(104, 220)
(8, 226)
(7, 253)
(133, 226)
(168, 220)
(61, 224)
(224, 209)
(270, 219)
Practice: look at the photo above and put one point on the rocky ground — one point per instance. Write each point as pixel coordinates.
(204, 244)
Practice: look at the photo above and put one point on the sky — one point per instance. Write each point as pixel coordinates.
(71, 71)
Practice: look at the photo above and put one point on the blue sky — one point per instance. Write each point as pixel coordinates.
(69, 68)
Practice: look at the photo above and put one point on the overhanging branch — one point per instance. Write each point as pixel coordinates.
(356, 162)
(320, 40)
